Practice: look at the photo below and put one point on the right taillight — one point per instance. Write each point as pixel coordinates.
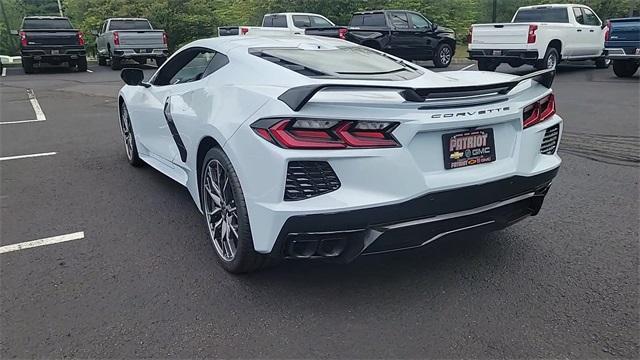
(300, 133)
(607, 31)
(531, 38)
(342, 33)
(23, 38)
(165, 38)
(244, 31)
(470, 35)
(116, 38)
(539, 111)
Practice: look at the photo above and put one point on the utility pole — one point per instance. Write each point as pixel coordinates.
(493, 18)
(60, 8)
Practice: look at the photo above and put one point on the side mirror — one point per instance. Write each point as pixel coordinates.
(434, 26)
(132, 77)
(94, 32)
(14, 32)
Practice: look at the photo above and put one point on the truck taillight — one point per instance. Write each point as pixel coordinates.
(80, 37)
(532, 34)
(342, 33)
(244, 31)
(470, 35)
(116, 38)
(23, 38)
(539, 111)
(607, 31)
(326, 134)
(165, 38)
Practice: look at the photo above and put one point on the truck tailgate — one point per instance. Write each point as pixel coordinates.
(625, 30)
(51, 37)
(506, 33)
(141, 38)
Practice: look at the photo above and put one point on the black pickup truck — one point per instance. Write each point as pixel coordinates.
(51, 40)
(405, 34)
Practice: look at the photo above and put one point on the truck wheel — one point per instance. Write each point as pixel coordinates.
(625, 68)
(115, 63)
(27, 65)
(82, 64)
(443, 56)
(550, 60)
(602, 63)
(487, 65)
(102, 61)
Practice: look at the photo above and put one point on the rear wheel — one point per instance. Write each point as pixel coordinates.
(102, 61)
(602, 63)
(625, 68)
(27, 65)
(226, 215)
(82, 64)
(550, 60)
(116, 63)
(487, 65)
(127, 136)
(443, 56)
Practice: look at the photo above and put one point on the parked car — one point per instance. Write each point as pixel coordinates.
(540, 36)
(51, 40)
(334, 150)
(622, 45)
(405, 34)
(288, 24)
(121, 39)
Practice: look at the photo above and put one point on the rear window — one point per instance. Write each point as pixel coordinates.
(376, 19)
(549, 15)
(341, 62)
(279, 21)
(46, 24)
(129, 25)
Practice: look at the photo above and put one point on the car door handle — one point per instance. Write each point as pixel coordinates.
(591, 30)
(579, 30)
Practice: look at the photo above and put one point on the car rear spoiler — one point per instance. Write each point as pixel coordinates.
(296, 98)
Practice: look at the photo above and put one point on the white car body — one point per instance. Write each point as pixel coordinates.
(224, 105)
(271, 29)
(505, 42)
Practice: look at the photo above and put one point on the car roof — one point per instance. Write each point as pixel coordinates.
(542, 6)
(294, 13)
(46, 17)
(225, 44)
(126, 19)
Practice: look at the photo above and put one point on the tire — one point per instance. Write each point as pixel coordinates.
(550, 60)
(602, 63)
(116, 63)
(625, 68)
(82, 64)
(102, 61)
(487, 65)
(443, 56)
(217, 171)
(27, 65)
(131, 149)
(160, 61)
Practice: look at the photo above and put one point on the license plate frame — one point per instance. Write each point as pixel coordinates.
(468, 147)
(497, 52)
(55, 52)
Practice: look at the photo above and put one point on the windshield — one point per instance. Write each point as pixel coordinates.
(550, 15)
(129, 25)
(348, 61)
(47, 24)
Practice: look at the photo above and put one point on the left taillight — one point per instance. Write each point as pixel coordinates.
(80, 37)
(300, 133)
(23, 38)
(165, 38)
(342, 33)
(539, 111)
(607, 31)
(531, 35)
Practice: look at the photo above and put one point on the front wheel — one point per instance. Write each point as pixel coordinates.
(127, 136)
(226, 215)
(625, 68)
(443, 56)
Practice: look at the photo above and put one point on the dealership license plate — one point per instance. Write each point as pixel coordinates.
(497, 52)
(468, 148)
(55, 52)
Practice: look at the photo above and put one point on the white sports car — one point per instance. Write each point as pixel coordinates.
(306, 147)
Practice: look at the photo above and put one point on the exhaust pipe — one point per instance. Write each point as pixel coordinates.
(302, 249)
(331, 247)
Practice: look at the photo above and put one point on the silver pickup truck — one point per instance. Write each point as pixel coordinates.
(122, 39)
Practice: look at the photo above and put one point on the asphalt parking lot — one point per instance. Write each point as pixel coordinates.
(140, 278)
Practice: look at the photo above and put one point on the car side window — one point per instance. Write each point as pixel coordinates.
(590, 18)
(399, 20)
(577, 12)
(317, 21)
(301, 21)
(419, 22)
(280, 21)
(187, 66)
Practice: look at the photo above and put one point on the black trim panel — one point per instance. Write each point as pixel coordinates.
(174, 131)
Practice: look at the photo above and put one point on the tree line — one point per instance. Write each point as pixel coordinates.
(187, 20)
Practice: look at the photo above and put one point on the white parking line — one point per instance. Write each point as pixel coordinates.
(89, 70)
(4, 71)
(467, 67)
(36, 105)
(42, 242)
(17, 122)
(16, 157)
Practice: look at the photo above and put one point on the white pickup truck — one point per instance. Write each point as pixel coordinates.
(540, 36)
(288, 24)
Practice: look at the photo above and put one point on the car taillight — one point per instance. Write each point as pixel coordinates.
(607, 31)
(470, 35)
(532, 34)
(80, 37)
(165, 38)
(342, 33)
(539, 111)
(23, 38)
(244, 31)
(326, 134)
(116, 38)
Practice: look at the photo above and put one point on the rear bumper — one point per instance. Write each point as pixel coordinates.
(622, 54)
(53, 53)
(504, 54)
(343, 236)
(137, 53)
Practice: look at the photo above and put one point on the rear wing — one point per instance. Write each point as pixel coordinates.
(296, 98)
